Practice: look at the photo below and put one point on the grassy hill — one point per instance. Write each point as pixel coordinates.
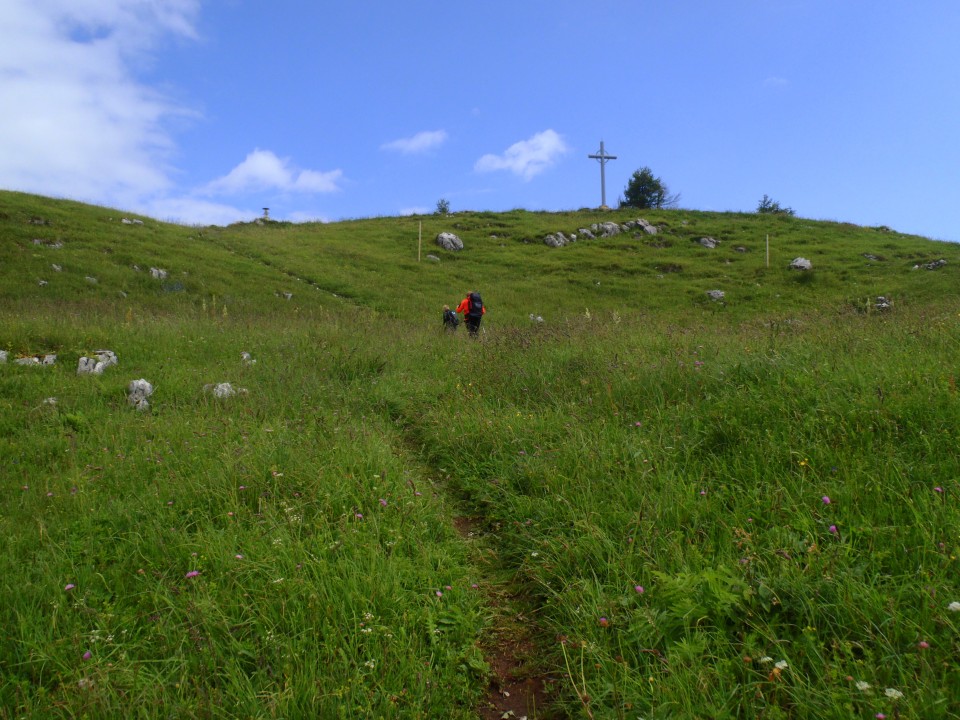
(651, 504)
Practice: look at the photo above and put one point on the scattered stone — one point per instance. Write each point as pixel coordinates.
(606, 229)
(55, 245)
(42, 283)
(935, 265)
(96, 365)
(3, 356)
(882, 303)
(127, 221)
(709, 242)
(536, 318)
(584, 232)
(801, 263)
(136, 268)
(433, 258)
(740, 249)
(223, 390)
(56, 268)
(91, 280)
(449, 241)
(558, 240)
(156, 273)
(137, 393)
(642, 224)
(872, 258)
(50, 401)
(716, 295)
(36, 360)
(247, 359)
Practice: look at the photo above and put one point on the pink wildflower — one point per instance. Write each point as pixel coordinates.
(69, 586)
(87, 655)
(826, 500)
(383, 502)
(192, 574)
(833, 530)
(639, 589)
(923, 644)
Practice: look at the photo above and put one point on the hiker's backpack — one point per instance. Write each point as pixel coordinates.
(450, 318)
(476, 304)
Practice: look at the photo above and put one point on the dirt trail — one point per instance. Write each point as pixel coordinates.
(518, 687)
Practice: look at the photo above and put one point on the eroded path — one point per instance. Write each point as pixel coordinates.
(518, 688)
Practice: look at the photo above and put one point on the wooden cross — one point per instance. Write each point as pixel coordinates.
(603, 158)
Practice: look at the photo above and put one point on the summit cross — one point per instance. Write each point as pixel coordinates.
(602, 157)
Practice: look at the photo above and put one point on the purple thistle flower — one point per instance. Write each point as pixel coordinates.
(192, 574)
(938, 489)
(833, 529)
(383, 502)
(69, 586)
(826, 500)
(87, 655)
(923, 644)
(639, 589)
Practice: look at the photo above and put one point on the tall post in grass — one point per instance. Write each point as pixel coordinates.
(768, 250)
(602, 157)
(419, 240)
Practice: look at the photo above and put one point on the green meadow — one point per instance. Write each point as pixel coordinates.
(651, 504)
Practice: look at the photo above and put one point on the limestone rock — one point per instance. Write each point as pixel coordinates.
(558, 240)
(137, 393)
(801, 263)
(157, 273)
(709, 242)
(449, 241)
(716, 295)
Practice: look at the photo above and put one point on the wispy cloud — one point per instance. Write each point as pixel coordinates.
(263, 170)
(76, 120)
(526, 158)
(421, 142)
(774, 81)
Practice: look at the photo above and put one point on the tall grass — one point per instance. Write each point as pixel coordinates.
(710, 510)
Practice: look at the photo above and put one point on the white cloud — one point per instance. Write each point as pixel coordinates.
(263, 170)
(774, 81)
(76, 121)
(526, 158)
(191, 211)
(421, 142)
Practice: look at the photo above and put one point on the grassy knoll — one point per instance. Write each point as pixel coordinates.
(704, 510)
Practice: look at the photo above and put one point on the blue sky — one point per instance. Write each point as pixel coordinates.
(207, 111)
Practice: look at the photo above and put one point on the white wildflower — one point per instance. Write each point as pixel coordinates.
(954, 606)
(893, 693)
(862, 685)
(766, 659)
(781, 665)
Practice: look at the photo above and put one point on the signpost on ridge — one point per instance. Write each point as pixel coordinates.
(602, 157)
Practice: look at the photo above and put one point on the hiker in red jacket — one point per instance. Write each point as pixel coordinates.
(472, 309)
